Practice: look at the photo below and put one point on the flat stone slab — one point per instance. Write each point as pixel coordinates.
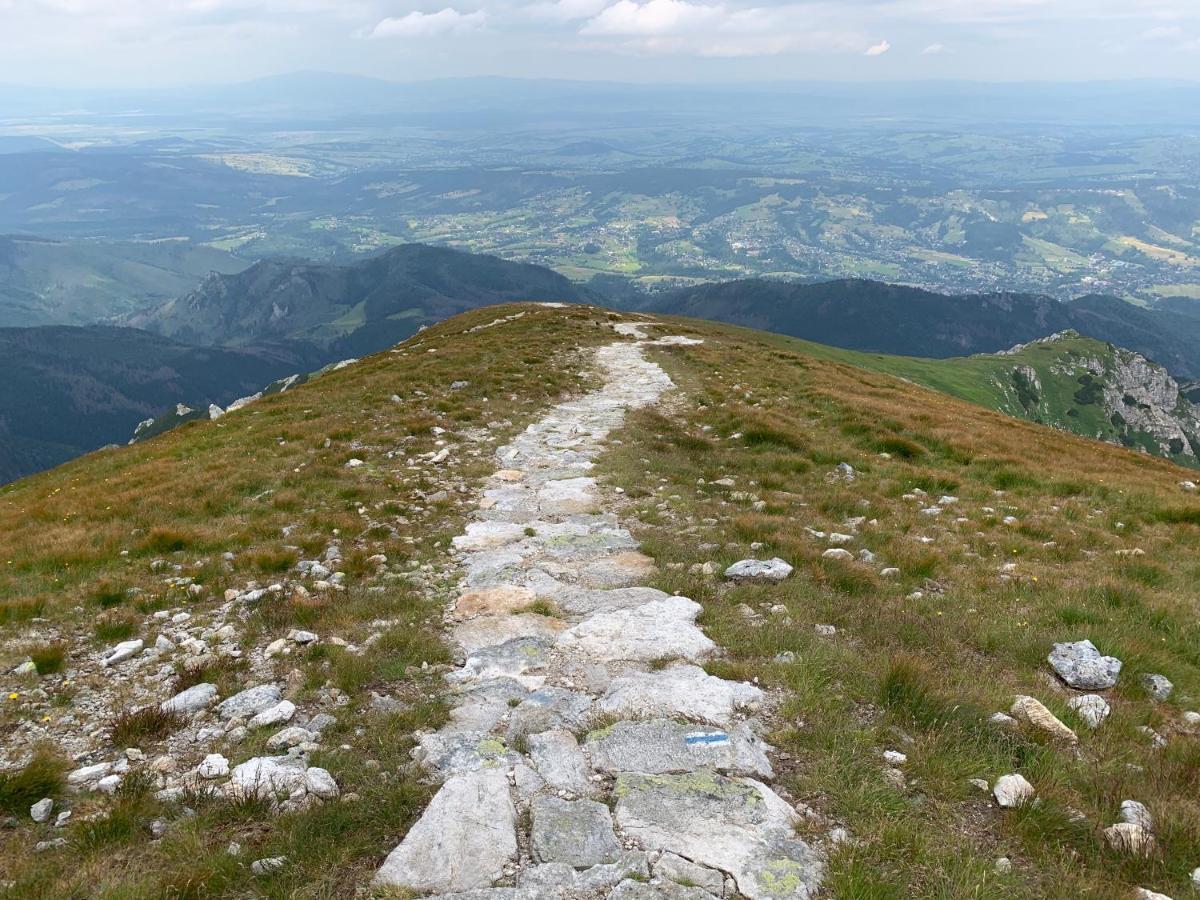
(588, 546)
(547, 708)
(495, 601)
(662, 746)
(490, 631)
(576, 832)
(569, 495)
(489, 535)
(658, 889)
(458, 753)
(1083, 667)
(556, 756)
(585, 602)
(685, 691)
(512, 659)
(619, 570)
(463, 840)
(492, 568)
(739, 826)
(660, 629)
(481, 706)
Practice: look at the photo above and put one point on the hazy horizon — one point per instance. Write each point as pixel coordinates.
(138, 43)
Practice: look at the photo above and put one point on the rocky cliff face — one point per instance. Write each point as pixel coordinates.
(1149, 400)
(1108, 392)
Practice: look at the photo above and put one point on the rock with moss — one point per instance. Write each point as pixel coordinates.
(737, 825)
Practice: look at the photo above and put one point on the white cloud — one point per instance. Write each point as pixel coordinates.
(656, 17)
(879, 49)
(934, 50)
(567, 10)
(419, 24)
(1162, 33)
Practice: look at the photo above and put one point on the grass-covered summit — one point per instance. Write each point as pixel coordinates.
(973, 542)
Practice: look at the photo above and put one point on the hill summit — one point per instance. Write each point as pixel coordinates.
(554, 601)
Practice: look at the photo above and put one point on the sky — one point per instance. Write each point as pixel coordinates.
(127, 43)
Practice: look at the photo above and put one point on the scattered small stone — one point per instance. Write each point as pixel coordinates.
(1127, 837)
(268, 865)
(1158, 687)
(40, 811)
(895, 757)
(825, 630)
(839, 554)
(1012, 790)
(753, 569)
(1031, 711)
(214, 766)
(1092, 708)
(123, 651)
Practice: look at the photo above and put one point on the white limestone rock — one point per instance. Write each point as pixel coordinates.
(462, 842)
(661, 629)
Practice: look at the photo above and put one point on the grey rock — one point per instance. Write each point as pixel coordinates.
(557, 758)
(1157, 687)
(659, 629)
(658, 890)
(267, 776)
(273, 715)
(291, 736)
(462, 842)
(549, 707)
(512, 659)
(739, 826)
(774, 569)
(40, 811)
(1012, 791)
(123, 651)
(681, 690)
(457, 753)
(661, 746)
(320, 783)
(268, 865)
(1082, 666)
(576, 832)
(250, 702)
(214, 766)
(684, 871)
(1136, 813)
(1092, 708)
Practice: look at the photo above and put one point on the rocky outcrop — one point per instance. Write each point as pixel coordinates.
(1072, 382)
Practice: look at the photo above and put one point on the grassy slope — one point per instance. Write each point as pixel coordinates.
(920, 675)
(211, 487)
(986, 379)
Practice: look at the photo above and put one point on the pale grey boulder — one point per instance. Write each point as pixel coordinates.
(1083, 667)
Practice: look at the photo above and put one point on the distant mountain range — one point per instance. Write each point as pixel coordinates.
(885, 318)
(81, 282)
(65, 390)
(69, 390)
(350, 310)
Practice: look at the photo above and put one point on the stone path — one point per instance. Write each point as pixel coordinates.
(587, 754)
